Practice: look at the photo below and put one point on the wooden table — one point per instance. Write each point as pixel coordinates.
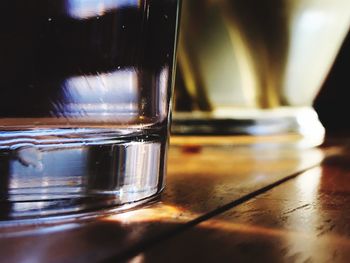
(226, 200)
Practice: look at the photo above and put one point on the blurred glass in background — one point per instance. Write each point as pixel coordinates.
(255, 67)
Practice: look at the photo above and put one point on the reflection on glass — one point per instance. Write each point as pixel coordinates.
(101, 95)
(84, 103)
(82, 9)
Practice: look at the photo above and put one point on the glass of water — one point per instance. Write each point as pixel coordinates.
(85, 88)
(254, 67)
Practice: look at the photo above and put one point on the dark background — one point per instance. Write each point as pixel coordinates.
(333, 101)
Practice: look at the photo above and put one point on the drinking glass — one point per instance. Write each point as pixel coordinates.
(84, 107)
(254, 67)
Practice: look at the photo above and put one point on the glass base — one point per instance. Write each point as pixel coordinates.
(68, 173)
(301, 123)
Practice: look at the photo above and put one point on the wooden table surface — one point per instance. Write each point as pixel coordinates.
(225, 201)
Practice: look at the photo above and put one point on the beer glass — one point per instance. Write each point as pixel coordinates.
(254, 67)
(85, 87)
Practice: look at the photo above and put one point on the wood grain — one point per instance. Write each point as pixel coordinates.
(202, 181)
(306, 219)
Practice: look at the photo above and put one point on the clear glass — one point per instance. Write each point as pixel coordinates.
(255, 66)
(84, 107)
